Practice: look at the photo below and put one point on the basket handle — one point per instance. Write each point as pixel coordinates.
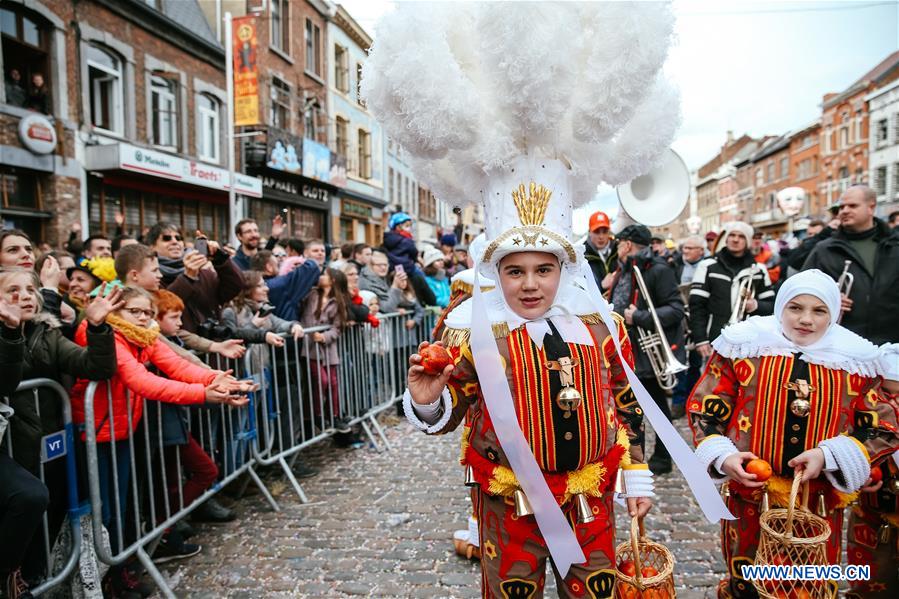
(637, 533)
(794, 492)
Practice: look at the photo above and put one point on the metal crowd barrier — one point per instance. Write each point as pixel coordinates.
(303, 398)
(60, 444)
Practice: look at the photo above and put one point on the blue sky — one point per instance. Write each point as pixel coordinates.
(755, 67)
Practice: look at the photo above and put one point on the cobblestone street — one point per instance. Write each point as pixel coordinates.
(380, 525)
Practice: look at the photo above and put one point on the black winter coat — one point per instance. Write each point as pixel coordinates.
(668, 303)
(875, 296)
(46, 353)
(599, 266)
(714, 292)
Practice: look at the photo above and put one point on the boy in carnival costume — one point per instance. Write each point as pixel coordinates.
(800, 392)
(525, 108)
(873, 537)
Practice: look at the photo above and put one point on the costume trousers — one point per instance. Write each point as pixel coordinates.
(514, 554)
(740, 541)
(865, 547)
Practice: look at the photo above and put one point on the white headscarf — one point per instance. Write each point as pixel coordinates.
(839, 348)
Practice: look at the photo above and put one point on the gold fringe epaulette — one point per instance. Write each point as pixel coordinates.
(459, 286)
(458, 337)
(779, 493)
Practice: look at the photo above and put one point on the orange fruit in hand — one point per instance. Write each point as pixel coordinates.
(760, 468)
(648, 572)
(434, 358)
(876, 475)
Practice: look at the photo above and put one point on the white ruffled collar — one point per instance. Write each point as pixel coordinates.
(576, 302)
(839, 349)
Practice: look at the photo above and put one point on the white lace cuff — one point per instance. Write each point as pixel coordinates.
(422, 417)
(712, 451)
(852, 463)
(637, 482)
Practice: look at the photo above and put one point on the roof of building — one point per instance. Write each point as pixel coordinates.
(188, 14)
(880, 71)
(773, 146)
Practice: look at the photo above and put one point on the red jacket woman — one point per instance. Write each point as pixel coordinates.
(135, 346)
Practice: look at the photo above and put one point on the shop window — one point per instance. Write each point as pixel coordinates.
(341, 68)
(307, 224)
(280, 20)
(341, 142)
(25, 59)
(364, 154)
(313, 48)
(106, 94)
(19, 190)
(164, 110)
(208, 139)
(280, 114)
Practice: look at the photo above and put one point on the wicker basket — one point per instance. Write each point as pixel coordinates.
(643, 552)
(793, 536)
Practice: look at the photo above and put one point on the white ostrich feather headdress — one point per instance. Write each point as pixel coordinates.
(524, 107)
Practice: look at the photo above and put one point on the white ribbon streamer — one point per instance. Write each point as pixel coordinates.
(560, 539)
(697, 476)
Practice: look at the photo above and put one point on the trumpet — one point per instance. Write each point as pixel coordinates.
(744, 294)
(845, 284)
(664, 365)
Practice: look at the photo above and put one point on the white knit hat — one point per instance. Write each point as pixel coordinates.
(367, 296)
(432, 255)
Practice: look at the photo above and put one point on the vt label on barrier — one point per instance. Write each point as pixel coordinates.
(53, 446)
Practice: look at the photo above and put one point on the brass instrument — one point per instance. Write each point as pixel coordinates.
(845, 284)
(744, 294)
(664, 365)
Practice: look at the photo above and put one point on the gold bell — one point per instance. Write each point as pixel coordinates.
(764, 505)
(883, 534)
(568, 399)
(800, 407)
(725, 490)
(822, 505)
(522, 507)
(584, 513)
(469, 477)
(893, 486)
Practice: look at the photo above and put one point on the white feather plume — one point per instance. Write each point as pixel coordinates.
(467, 87)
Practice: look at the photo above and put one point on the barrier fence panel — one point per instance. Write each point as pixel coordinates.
(143, 474)
(61, 478)
(137, 472)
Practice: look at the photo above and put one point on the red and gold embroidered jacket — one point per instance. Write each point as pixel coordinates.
(578, 452)
(747, 400)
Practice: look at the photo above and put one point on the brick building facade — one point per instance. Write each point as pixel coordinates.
(135, 96)
(845, 129)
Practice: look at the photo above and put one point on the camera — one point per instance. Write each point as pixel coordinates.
(265, 310)
(215, 330)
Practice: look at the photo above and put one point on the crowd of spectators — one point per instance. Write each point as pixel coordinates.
(135, 314)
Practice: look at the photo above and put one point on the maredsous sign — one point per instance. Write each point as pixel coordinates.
(167, 166)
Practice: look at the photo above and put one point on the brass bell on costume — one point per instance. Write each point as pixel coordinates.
(469, 477)
(584, 513)
(568, 399)
(764, 504)
(522, 507)
(725, 490)
(883, 534)
(800, 407)
(822, 506)
(893, 486)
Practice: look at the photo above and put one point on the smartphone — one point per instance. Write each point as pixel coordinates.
(202, 246)
(399, 269)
